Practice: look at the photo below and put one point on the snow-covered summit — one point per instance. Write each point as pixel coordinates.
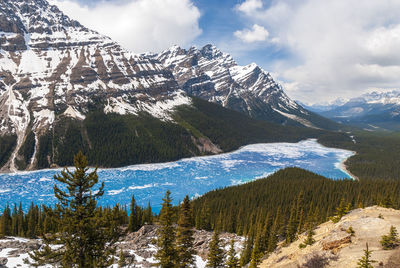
(213, 75)
(52, 66)
(388, 97)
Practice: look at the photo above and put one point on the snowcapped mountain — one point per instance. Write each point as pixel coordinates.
(375, 110)
(52, 66)
(64, 88)
(214, 76)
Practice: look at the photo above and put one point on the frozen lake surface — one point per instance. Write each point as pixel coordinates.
(193, 176)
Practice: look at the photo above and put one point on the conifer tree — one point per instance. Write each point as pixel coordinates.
(245, 257)
(32, 221)
(133, 225)
(341, 210)
(215, 257)
(273, 238)
(391, 240)
(148, 214)
(266, 229)
(300, 222)
(184, 235)
(309, 240)
(387, 202)
(122, 259)
(365, 261)
(87, 240)
(6, 222)
(256, 254)
(291, 228)
(205, 223)
(232, 261)
(166, 253)
(14, 219)
(20, 221)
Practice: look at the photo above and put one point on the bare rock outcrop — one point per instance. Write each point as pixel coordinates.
(334, 247)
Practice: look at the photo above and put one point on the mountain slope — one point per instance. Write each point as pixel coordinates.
(52, 67)
(113, 140)
(213, 75)
(65, 88)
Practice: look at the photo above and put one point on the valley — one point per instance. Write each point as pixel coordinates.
(194, 155)
(190, 176)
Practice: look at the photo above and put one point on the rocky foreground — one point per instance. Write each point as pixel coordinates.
(334, 247)
(139, 246)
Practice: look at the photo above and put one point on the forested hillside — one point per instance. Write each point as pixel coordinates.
(7, 143)
(237, 208)
(114, 140)
(377, 153)
(285, 204)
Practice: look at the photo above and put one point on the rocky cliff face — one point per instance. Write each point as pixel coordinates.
(334, 247)
(52, 66)
(213, 75)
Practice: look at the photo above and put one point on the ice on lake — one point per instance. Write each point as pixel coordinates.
(193, 176)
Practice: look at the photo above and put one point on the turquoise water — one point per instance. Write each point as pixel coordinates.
(193, 176)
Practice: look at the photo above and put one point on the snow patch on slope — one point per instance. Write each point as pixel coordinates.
(159, 109)
(71, 112)
(297, 118)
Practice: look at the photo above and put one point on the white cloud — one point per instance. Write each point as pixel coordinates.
(338, 48)
(255, 34)
(249, 6)
(139, 25)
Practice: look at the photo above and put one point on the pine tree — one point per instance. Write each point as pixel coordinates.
(309, 240)
(184, 236)
(122, 259)
(232, 261)
(387, 202)
(133, 225)
(273, 238)
(391, 240)
(300, 222)
(6, 222)
(148, 215)
(256, 254)
(20, 221)
(341, 210)
(291, 227)
(350, 231)
(32, 222)
(14, 221)
(266, 232)
(87, 240)
(245, 257)
(365, 261)
(166, 253)
(205, 223)
(215, 257)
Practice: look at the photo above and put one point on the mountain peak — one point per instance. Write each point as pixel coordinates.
(53, 67)
(39, 25)
(213, 75)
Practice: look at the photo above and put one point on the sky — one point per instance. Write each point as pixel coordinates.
(319, 50)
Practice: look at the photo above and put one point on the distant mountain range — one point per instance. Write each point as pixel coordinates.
(64, 87)
(372, 111)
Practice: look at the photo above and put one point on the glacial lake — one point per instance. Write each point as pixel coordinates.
(193, 176)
